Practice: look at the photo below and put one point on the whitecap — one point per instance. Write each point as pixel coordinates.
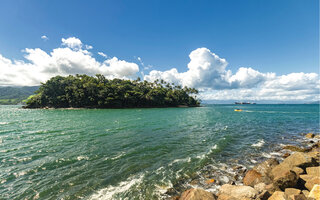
(266, 155)
(253, 161)
(110, 191)
(82, 158)
(275, 154)
(19, 174)
(118, 156)
(259, 144)
(214, 147)
(180, 160)
(4, 123)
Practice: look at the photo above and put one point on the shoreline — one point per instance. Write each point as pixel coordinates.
(261, 181)
(91, 108)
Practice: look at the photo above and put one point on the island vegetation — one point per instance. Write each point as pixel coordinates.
(83, 91)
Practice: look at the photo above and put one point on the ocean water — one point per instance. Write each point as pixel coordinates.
(137, 153)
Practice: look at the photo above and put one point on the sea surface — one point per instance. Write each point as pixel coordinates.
(137, 153)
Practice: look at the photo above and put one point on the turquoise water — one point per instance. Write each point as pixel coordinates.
(135, 153)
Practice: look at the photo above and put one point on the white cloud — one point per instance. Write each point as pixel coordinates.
(207, 72)
(102, 54)
(44, 38)
(72, 42)
(40, 65)
(89, 47)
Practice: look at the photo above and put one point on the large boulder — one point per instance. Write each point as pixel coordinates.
(306, 177)
(196, 194)
(315, 154)
(309, 135)
(314, 171)
(238, 191)
(265, 167)
(260, 187)
(278, 195)
(299, 159)
(305, 192)
(252, 178)
(283, 176)
(315, 192)
(298, 170)
(264, 195)
(226, 197)
(298, 197)
(295, 148)
(290, 192)
(312, 182)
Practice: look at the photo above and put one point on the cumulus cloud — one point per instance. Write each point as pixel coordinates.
(102, 54)
(72, 59)
(208, 72)
(89, 47)
(44, 37)
(72, 42)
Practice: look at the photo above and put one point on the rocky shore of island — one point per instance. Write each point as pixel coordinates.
(294, 177)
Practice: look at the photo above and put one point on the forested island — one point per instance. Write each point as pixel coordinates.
(83, 91)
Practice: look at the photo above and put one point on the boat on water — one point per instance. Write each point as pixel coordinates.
(238, 110)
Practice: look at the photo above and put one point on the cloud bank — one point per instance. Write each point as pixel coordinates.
(206, 71)
(70, 58)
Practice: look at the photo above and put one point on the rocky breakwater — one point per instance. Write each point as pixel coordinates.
(297, 177)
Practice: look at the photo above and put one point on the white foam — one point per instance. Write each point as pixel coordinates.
(275, 154)
(224, 179)
(201, 156)
(118, 156)
(259, 144)
(19, 174)
(4, 123)
(82, 158)
(110, 191)
(266, 155)
(253, 161)
(180, 160)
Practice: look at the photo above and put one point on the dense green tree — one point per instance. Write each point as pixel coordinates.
(98, 92)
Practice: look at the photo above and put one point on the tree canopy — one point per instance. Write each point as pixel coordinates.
(83, 91)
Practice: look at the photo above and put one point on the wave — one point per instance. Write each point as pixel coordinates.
(4, 123)
(110, 191)
(82, 158)
(188, 159)
(260, 143)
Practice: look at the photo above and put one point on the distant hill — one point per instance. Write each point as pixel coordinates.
(15, 95)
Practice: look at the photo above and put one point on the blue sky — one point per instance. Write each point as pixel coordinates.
(280, 36)
(276, 36)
